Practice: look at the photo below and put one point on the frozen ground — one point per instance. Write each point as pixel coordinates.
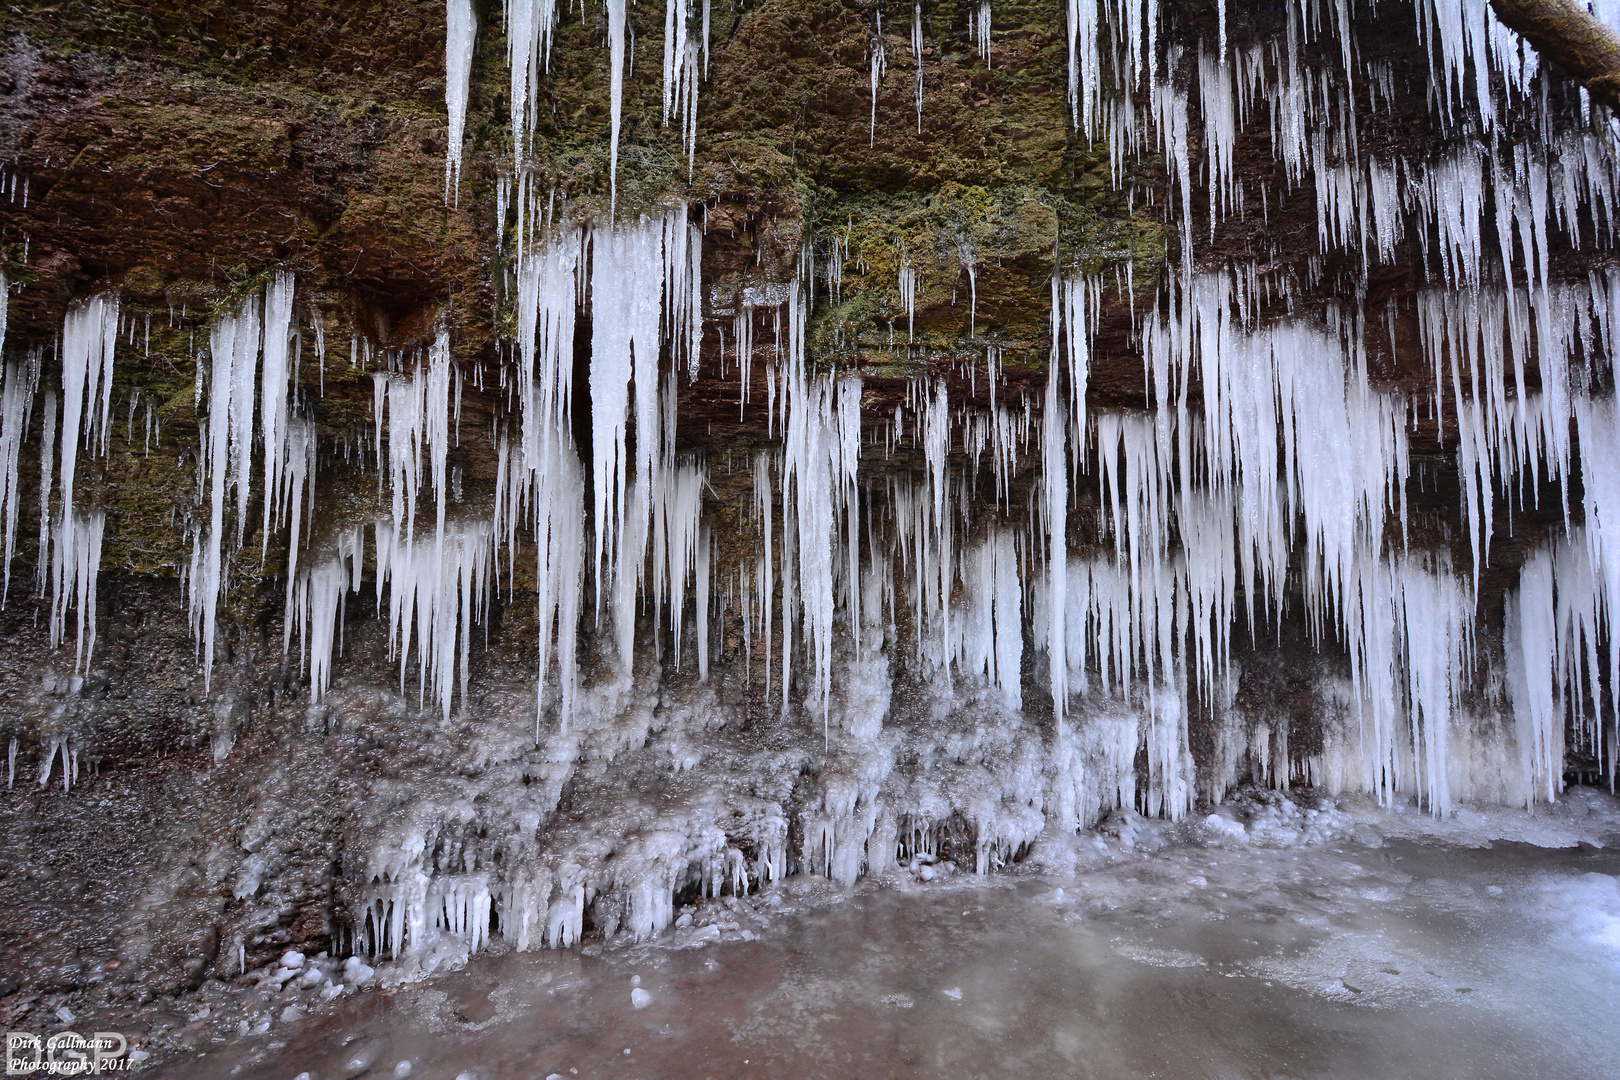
(1273, 941)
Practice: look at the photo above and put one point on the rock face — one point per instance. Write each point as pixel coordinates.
(948, 438)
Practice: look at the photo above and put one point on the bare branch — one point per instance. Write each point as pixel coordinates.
(1565, 33)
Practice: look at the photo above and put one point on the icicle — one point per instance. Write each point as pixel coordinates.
(320, 346)
(234, 351)
(529, 26)
(1437, 617)
(1170, 113)
(979, 29)
(76, 567)
(969, 260)
(633, 273)
(46, 472)
(1055, 509)
(880, 59)
(615, 11)
(990, 641)
(418, 410)
(315, 602)
(766, 571)
(676, 538)
(559, 563)
(908, 298)
(16, 402)
(1530, 645)
(1599, 424)
(89, 335)
(821, 445)
(438, 589)
(1071, 345)
(1216, 101)
(460, 31)
(297, 477)
(273, 404)
(681, 70)
(917, 58)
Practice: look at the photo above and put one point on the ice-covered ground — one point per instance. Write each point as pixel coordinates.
(1273, 939)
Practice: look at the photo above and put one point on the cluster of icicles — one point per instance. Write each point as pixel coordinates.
(1113, 45)
(530, 25)
(1293, 455)
(69, 535)
(1294, 466)
(1288, 464)
(1199, 511)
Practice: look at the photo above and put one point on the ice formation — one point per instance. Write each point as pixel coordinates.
(979, 28)
(89, 338)
(1209, 502)
(917, 59)
(615, 15)
(20, 380)
(460, 32)
(47, 466)
(529, 26)
(681, 76)
(276, 425)
(880, 62)
(437, 590)
(260, 324)
(913, 586)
